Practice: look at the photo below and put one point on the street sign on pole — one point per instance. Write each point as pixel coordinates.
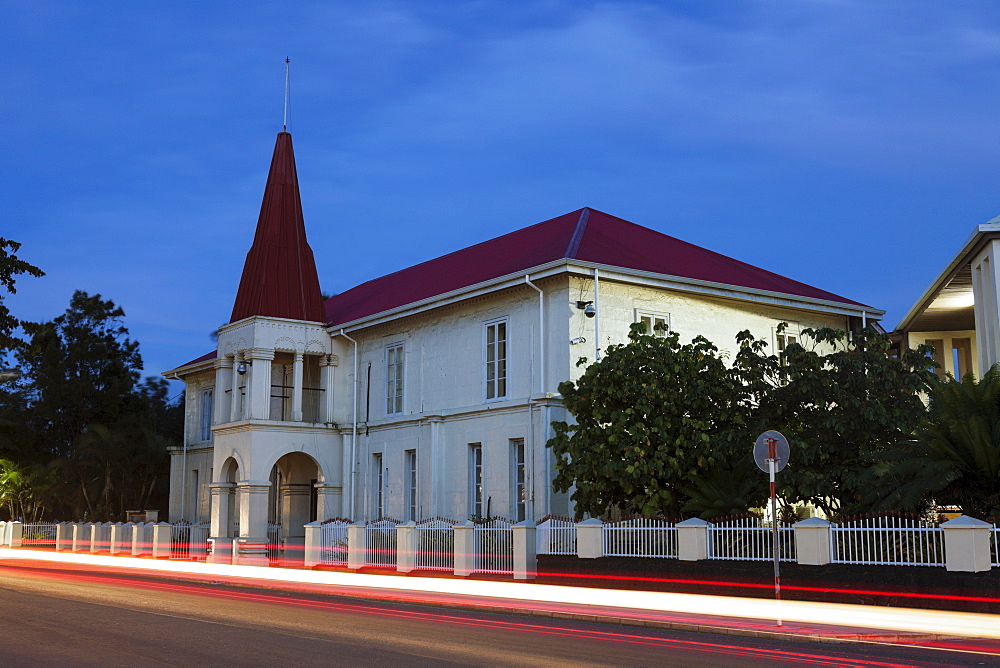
(771, 454)
(760, 450)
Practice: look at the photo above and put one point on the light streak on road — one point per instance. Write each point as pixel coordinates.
(938, 622)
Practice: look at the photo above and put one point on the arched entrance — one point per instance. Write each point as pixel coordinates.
(230, 474)
(292, 501)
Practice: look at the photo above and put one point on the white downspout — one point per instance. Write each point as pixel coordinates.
(184, 451)
(597, 316)
(529, 513)
(541, 332)
(354, 428)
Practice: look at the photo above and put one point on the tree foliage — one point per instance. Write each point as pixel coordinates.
(954, 457)
(10, 268)
(660, 427)
(79, 415)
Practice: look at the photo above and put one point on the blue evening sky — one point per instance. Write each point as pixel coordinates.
(852, 145)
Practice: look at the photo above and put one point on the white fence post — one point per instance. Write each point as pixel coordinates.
(356, 546)
(14, 533)
(199, 542)
(692, 539)
(78, 536)
(221, 550)
(465, 548)
(812, 542)
(161, 541)
(64, 537)
(525, 559)
(967, 544)
(3, 534)
(406, 544)
(314, 531)
(590, 539)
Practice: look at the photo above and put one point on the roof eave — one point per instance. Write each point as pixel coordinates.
(980, 235)
(611, 272)
(188, 369)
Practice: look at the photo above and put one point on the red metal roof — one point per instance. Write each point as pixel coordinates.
(279, 276)
(585, 234)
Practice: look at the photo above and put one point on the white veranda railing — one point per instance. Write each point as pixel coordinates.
(640, 537)
(494, 546)
(750, 539)
(888, 540)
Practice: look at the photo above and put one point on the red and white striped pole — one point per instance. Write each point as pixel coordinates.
(772, 459)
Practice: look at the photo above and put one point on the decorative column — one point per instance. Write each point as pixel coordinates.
(252, 543)
(219, 539)
(223, 381)
(297, 388)
(329, 501)
(236, 400)
(438, 464)
(986, 294)
(327, 364)
(259, 384)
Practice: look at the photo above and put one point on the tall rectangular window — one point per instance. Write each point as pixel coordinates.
(656, 324)
(961, 352)
(206, 414)
(394, 379)
(411, 485)
(378, 491)
(496, 359)
(782, 341)
(476, 479)
(518, 478)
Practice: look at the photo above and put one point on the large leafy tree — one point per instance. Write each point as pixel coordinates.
(954, 457)
(842, 401)
(649, 418)
(79, 368)
(661, 427)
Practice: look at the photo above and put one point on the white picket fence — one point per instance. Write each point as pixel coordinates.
(640, 537)
(333, 542)
(887, 541)
(494, 546)
(434, 544)
(380, 543)
(39, 534)
(556, 535)
(750, 538)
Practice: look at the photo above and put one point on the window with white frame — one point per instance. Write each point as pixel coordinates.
(496, 359)
(378, 487)
(657, 324)
(518, 479)
(206, 414)
(411, 485)
(394, 379)
(476, 479)
(782, 340)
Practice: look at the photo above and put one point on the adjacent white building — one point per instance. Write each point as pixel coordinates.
(430, 391)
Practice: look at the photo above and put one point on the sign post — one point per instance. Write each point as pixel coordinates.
(770, 452)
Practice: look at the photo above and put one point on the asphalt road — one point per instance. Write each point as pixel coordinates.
(64, 615)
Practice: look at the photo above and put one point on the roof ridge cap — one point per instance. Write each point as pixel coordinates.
(581, 227)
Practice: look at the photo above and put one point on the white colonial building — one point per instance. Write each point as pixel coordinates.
(430, 391)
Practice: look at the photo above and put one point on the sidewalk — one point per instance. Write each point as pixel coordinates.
(752, 617)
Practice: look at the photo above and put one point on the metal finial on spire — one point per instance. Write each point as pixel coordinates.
(284, 125)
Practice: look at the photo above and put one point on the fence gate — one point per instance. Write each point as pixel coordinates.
(434, 544)
(380, 543)
(494, 541)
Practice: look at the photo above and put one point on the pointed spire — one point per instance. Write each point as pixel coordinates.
(279, 277)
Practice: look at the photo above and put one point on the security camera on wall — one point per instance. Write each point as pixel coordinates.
(587, 308)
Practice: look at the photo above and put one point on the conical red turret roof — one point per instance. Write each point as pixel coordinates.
(279, 277)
